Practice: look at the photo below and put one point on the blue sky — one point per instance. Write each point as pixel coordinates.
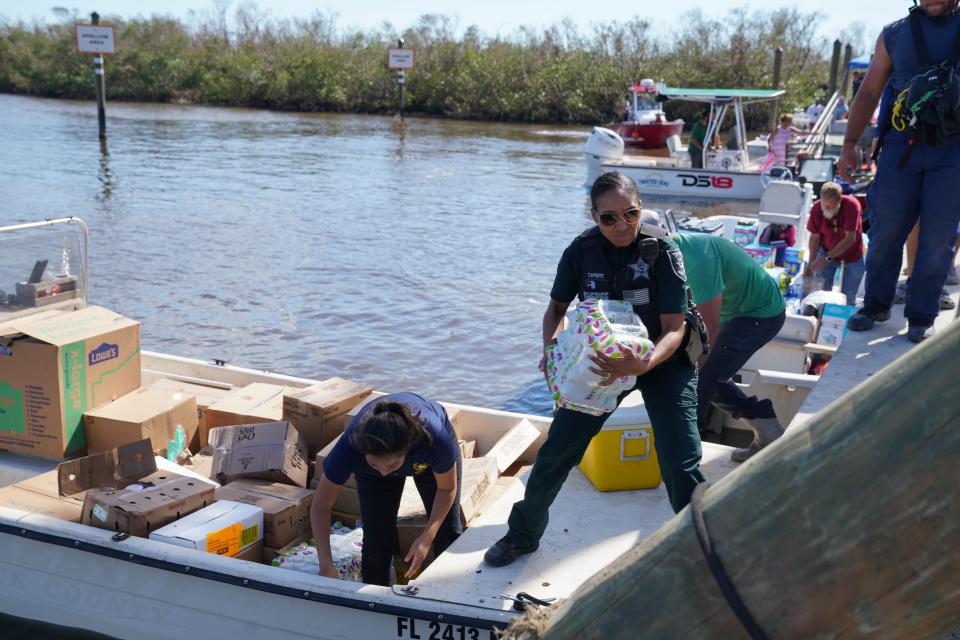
(492, 16)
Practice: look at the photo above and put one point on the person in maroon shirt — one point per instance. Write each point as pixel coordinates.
(836, 237)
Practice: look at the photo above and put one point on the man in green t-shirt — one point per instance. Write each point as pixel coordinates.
(698, 133)
(743, 310)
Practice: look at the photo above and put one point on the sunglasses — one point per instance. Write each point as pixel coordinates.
(609, 218)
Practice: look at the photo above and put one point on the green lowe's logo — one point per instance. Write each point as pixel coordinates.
(11, 408)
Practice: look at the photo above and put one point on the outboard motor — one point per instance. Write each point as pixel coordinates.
(602, 145)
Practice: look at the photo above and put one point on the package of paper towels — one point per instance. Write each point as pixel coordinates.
(599, 326)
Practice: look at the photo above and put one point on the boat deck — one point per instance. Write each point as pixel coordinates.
(862, 354)
(588, 530)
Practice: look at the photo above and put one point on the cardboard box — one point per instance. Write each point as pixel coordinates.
(269, 553)
(40, 495)
(253, 553)
(512, 444)
(225, 528)
(322, 455)
(286, 509)
(205, 396)
(467, 447)
(125, 491)
(266, 451)
(54, 368)
(144, 413)
(319, 412)
(479, 477)
(253, 404)
(202, 463)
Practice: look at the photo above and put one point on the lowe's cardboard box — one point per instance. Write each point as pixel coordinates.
(146, 412)
(267, 451)
(319, 412)
(54, 368)
(126, 492)
(255, 403)
(226, 528)
(286, 509)
(40, 495)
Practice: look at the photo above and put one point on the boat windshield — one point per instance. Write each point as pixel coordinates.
(42, 267)
(646, 102)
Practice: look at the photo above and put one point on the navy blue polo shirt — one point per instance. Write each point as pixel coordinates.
(439, 456)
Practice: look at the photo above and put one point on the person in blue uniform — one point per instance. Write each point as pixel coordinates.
(615, 260)
(915, 178)
(391, 438)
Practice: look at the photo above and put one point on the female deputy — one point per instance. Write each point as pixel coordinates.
(396, 436)
(614, 260)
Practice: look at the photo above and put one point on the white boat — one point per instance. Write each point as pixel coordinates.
(727, 173)
(83, 577)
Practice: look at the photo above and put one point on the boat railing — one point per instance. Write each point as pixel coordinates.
(815, 141)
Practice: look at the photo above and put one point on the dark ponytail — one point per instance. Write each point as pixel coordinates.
(389, 428)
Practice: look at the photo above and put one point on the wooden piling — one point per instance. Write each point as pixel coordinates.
(834, 62)
(777, 65)
(845, 82)
(845, 527)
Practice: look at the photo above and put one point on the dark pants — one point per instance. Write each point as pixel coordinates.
(669, 393)
(696, 160)
(925, 190)
(379, 504)
(738, 340)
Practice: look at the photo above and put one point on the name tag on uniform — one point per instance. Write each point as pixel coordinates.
(637, 297)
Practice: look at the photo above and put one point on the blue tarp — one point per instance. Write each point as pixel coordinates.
(860, 62)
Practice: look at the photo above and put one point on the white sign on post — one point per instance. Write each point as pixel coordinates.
(400, 59)
(95, 39)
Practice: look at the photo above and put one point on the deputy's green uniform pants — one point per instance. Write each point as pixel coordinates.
(670, 395)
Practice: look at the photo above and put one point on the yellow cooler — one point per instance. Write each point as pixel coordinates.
(621, 457)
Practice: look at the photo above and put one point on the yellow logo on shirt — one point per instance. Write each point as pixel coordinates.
(420, 466)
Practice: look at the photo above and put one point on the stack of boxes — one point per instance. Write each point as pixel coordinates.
(70, 383)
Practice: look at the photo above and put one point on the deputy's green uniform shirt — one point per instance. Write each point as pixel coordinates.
(671, 295)
(716, 265)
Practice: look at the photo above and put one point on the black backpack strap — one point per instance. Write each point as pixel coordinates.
(919, 40)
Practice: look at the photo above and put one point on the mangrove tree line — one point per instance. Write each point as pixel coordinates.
(244, 57)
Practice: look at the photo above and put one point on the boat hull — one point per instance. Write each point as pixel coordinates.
(684, 182)
(648, 136)
(69, 575)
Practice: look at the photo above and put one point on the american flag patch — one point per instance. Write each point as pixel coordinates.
(637, 296)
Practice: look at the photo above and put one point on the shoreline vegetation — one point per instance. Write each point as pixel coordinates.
(556, 74)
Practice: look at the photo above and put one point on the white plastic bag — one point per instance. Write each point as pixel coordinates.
(599, 326)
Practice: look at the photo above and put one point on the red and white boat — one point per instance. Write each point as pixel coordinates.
(646, 125)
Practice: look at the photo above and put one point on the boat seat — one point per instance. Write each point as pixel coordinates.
(678, 154)
(782, 197)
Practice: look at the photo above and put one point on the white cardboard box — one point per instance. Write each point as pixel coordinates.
(225, 528)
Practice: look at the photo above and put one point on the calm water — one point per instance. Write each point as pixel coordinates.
(314, 245)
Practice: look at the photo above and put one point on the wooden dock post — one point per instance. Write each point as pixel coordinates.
(834, 62)
(777, 65)
(847, 526)
(845, 75)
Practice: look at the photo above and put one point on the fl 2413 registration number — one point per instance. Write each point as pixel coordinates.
(414, 629)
